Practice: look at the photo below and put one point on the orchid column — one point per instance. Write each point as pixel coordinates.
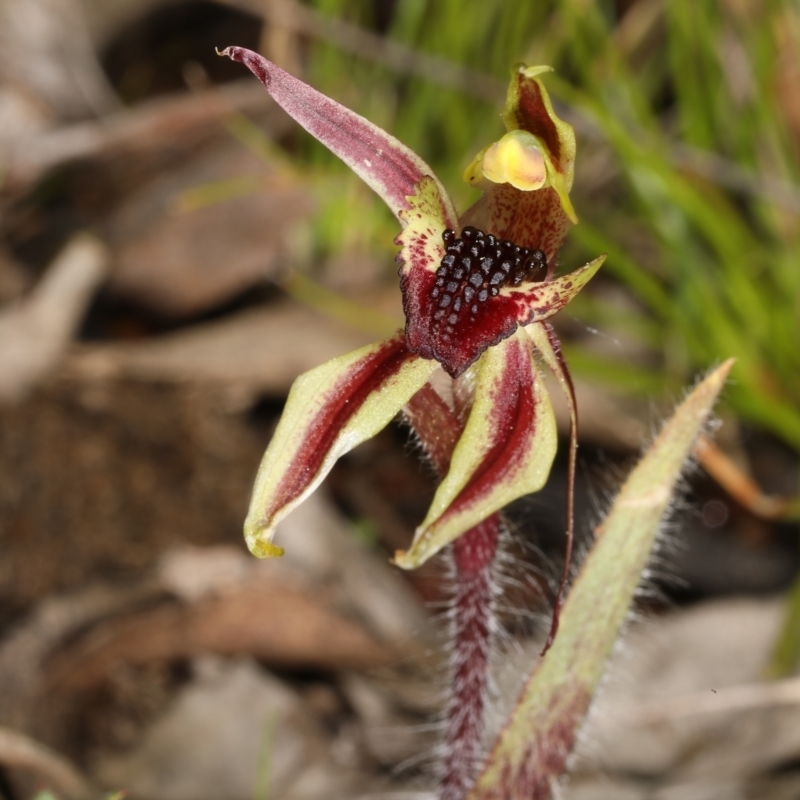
(477, 291)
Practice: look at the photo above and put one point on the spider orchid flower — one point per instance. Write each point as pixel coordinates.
(477, 291)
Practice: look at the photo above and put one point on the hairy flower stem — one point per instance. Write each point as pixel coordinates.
(438, 429)
(472, 625)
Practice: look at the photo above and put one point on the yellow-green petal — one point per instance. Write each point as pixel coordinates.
(505, 452)
(330, 410)
(516, 159)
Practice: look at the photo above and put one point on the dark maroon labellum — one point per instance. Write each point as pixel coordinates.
(454, 314)
(475, 268)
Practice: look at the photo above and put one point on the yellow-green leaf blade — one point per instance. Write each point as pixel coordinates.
(531, 752)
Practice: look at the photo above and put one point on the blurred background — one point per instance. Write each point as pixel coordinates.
(174, 251)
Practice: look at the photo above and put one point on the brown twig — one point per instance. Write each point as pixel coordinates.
(19, 751)
(146, 133)
(34, 334)
(742, 487)
(306, 632)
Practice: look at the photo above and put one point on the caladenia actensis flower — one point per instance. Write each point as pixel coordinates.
(477, 293)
